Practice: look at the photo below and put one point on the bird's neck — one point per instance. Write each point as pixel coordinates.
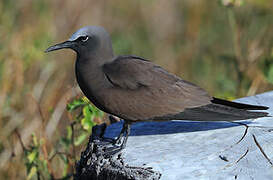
(89, 71)
(91, 78)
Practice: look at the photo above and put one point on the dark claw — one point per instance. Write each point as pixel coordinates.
(110, 146)
(123, 136)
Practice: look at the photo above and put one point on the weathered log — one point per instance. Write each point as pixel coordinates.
(96, 164)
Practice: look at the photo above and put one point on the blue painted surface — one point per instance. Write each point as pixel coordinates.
(168, 127)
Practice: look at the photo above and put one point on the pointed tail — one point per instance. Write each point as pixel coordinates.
(219, 110)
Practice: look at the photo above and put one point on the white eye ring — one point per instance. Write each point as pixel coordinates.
(84, 38)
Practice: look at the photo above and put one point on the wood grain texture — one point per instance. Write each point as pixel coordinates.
(96, 165)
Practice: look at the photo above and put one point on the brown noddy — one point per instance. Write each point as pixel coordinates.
(135, 89)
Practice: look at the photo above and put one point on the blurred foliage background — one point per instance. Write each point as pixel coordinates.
(225, 46)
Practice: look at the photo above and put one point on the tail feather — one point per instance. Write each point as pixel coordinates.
(238, 105)
(217, 112)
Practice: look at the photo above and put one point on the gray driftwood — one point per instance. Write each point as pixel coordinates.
(95, 164)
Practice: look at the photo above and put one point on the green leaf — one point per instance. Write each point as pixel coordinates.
(79, 140)
(96, 111)
(32, 172)
(87, 121)
(69, 132)
(32, 156)
(65, 142)
(75, 104)
(35, 140)
(85, 99)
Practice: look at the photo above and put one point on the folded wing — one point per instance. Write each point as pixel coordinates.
(143, 90)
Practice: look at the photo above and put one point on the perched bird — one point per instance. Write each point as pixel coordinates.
(135, 89)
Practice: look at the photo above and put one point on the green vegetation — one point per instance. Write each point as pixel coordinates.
(39, 161)
(225, 46)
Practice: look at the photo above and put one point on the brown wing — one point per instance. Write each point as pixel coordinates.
(141, 90)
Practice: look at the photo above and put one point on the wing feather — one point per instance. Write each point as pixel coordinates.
(141, 90)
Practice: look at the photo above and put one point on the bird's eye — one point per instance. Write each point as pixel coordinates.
(83, 38)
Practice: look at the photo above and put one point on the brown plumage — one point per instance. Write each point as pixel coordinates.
(141, 90)
(135, 89)
(144, 91)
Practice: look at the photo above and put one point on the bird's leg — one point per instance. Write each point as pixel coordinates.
(127, 132)
(111, 146)
(120, 143)
(98, 136)
(119, 138)
(123, 136)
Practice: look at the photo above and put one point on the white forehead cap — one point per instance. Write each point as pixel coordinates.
(87, 31)
(81, 32)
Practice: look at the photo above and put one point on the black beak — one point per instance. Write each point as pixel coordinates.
(66, 44)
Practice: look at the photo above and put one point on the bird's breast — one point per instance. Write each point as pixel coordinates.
(91, 83)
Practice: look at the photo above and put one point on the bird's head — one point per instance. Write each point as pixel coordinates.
(89, 40)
